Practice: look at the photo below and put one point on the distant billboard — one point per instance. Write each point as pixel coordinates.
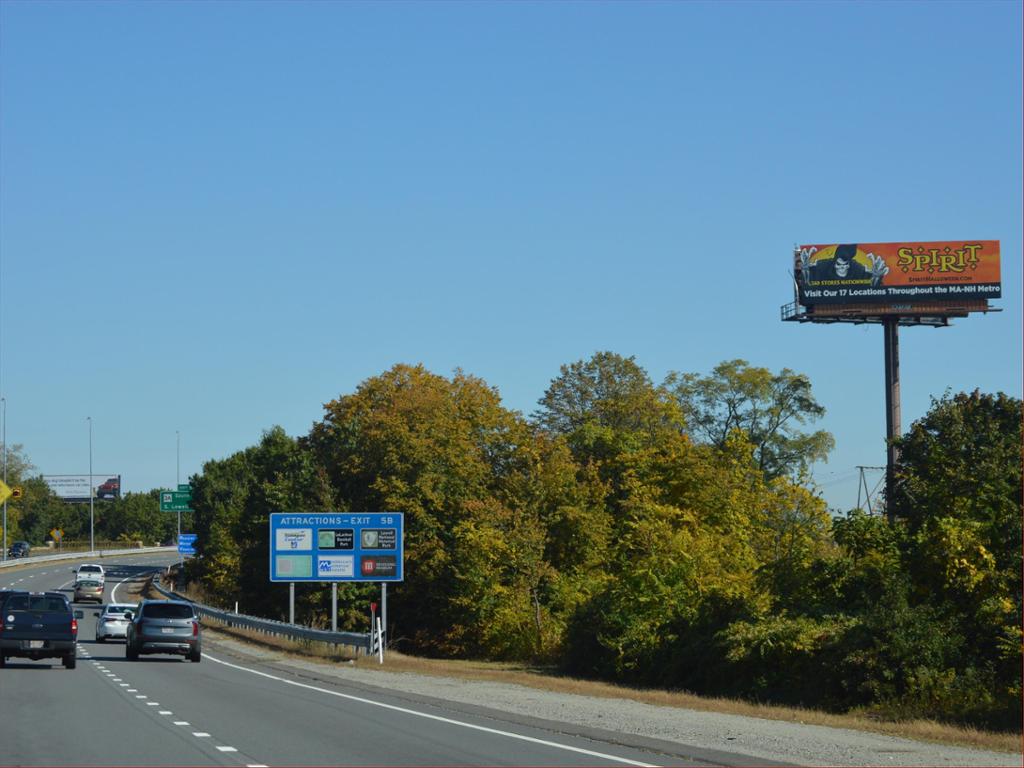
(898, 273)
(84, 487)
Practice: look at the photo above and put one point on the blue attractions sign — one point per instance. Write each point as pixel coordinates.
(335, 546)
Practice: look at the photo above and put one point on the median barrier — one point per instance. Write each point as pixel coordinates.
(94, 555)
(358, 640)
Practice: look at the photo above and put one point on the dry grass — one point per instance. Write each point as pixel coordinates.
(550, 680)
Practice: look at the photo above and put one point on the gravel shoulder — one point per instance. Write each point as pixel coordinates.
(673, 730)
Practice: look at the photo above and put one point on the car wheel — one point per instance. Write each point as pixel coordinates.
(130, 653)
(70, 660)
(195, 655)
(100, 638)
(3, 661)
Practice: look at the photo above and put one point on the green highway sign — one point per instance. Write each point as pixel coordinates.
(184, 488)
(175, 501)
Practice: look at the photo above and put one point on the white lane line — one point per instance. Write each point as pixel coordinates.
(132, 690)
(255, 765)
(227, 749)
(201, 734)
(181, 722)
(438, 718)
(152, 703)
(165, 712)
(140, 696)
(116, 680)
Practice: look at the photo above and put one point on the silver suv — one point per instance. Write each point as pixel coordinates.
(164, 626)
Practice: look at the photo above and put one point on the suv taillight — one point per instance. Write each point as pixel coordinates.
(195, 628)
(74, 626)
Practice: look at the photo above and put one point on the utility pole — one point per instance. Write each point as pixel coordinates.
(864, 485)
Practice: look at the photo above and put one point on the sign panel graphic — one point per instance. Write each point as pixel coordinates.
(334, 546)
(903, 273)
(81, 487)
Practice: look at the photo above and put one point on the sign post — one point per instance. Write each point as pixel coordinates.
(177, 501)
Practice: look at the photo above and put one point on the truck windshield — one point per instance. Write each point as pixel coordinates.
(38, 603)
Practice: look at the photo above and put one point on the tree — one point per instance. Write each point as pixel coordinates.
(233, 499)
(483, 494)
(606, 405)
(769, 408)
(958, 492)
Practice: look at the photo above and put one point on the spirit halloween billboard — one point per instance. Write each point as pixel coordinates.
(904, 273)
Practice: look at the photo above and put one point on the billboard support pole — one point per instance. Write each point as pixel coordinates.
(291, 602)
(890, 327)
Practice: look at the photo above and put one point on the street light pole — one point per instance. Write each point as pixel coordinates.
(92, 540)
(3, 402)
(177, 479)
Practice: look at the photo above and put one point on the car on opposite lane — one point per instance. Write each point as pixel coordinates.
(164, 626)
(88, 589)
(19, 549)
(113, 621)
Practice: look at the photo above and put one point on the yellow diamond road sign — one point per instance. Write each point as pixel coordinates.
(5, 491)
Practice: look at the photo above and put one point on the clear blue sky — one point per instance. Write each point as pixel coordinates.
(215, 217)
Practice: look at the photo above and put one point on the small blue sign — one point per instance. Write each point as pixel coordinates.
(186, 542)
(333, 546)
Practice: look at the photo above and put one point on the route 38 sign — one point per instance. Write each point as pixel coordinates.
(332, 546)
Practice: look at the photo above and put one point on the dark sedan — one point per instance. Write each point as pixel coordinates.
(19, 549)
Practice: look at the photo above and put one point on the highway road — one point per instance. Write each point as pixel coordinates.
(236, 711)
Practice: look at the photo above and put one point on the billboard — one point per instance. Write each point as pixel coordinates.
(909, 273)
(83, 487)
(331, 546)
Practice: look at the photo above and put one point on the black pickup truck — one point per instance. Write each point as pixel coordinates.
(38, 625)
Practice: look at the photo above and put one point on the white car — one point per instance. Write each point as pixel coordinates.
(90, 572)
(112, 621)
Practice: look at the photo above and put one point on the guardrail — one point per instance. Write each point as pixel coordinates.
(269, 626)
(94, 555)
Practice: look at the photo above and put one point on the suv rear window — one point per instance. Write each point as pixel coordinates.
(167, 611)
(38, 603)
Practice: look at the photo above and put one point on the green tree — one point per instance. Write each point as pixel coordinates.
(233, 499)
(768, 408)
(483, 494)
(959, 495)
(605, 406)
(134, 517)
